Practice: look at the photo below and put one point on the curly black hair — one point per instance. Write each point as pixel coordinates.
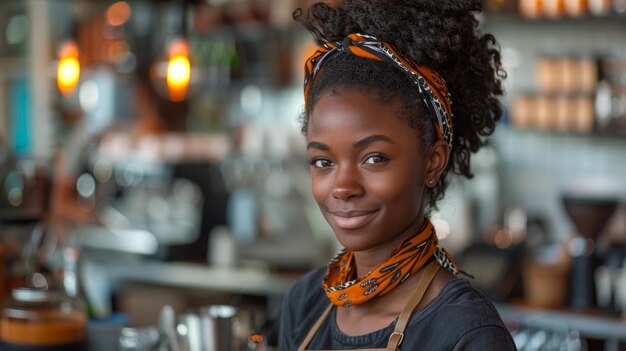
(440, 34)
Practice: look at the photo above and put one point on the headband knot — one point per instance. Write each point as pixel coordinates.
(345, 45)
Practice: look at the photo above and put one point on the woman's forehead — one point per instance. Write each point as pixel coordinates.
(353, 114)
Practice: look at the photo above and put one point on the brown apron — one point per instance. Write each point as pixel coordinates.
(398, 334)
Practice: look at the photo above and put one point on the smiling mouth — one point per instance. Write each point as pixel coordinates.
(352, 219)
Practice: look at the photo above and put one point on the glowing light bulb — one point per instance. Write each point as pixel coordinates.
(178, 74)
(68, 71)
(178, 70)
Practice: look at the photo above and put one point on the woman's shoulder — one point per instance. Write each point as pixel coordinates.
(461, 303)
(461, 316)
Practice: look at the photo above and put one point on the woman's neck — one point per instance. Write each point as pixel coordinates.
(367, 260)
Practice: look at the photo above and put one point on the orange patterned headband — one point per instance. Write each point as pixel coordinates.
(431, 85)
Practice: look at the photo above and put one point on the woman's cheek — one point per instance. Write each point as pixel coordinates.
(320, 184)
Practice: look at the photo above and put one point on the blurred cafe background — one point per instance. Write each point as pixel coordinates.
(154, 190)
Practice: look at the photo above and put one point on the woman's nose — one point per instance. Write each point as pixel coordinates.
(347, 185)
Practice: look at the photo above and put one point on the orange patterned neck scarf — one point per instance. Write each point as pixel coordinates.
(431, 85)
(344, 289)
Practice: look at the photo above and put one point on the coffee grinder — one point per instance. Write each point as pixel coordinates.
(589, 215)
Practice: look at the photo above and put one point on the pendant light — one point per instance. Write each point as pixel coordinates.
(174, 71)
(178, 74)
(68, 70)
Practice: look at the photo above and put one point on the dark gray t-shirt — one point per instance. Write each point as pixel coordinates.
(459, 318)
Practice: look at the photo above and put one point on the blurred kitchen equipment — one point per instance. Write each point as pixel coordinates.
(190, 332)
(103, 334)
(256, 342)
(139, 339)
(534, 338)
(610, 100)
(589, 215)
(607, 278)
(217, 327)
(495, 271)
(223, 248)
(167, 325)
(621, 291)
(546, 277)
(167, 210)
(24, 191)
(210, 186)
(42, 319)
(2, 273)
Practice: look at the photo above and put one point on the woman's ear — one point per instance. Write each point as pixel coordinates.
(438, 156)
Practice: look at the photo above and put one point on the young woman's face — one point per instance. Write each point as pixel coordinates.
(367, 167)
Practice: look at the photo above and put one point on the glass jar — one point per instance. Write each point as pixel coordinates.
(42, 320)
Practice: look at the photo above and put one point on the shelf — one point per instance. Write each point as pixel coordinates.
(236, 280)
(615, 135)
(509, 17)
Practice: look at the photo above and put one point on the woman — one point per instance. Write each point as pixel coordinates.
(399, 94)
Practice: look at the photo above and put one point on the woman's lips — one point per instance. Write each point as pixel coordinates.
(352, 219)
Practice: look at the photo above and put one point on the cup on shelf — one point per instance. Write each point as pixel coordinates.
(569, 75)
(523, 108)
(587, 75)
(548, 74)
(583, 121)
(566, 75)
(553, 8)
(575, 8)
(530, 8)
(564, 112)
(546, 113)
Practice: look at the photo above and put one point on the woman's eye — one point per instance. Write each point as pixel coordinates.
(374, 159)
(321, 163)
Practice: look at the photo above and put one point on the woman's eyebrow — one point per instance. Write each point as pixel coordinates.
(357, 144)
(317, 145)
(371, 139)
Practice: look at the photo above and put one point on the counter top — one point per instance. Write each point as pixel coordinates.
(238, 280)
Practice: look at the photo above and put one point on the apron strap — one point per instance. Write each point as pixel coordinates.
(314, 329)
(398, 334)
